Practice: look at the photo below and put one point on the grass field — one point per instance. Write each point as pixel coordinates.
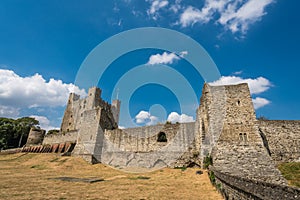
(291, 171)
(32, 176)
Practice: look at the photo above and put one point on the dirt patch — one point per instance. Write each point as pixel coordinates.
(34, 176)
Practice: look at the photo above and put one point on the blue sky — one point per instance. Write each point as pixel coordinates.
(43, 44)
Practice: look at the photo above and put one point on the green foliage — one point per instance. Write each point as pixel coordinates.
(212, 177)
(207, 161)
(291, 171)
(14, 132)
(53, 131)
(168, 122)
(182, 168)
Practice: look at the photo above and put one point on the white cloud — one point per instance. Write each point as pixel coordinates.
(183, 118)
(33, 91)
(234, 15)
(156, 5)
(165, 58)
(238, 73)
(44, 122)
(144, 117)
(9, 111)
(256, 86)
(121, 127)
(183, 53)
(176, 7)
(191, 16)
(259, 102)
(238, 19)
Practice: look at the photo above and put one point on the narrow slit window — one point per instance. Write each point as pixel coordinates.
(241, 137)
(245, 137)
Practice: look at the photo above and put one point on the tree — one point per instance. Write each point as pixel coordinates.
(14, 133)
(7, 129)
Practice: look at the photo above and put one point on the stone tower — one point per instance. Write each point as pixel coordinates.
(93, 98)
(230, 134)
(69, 119)
(88, 118)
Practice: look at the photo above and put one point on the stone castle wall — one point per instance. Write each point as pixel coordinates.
(239, 150)
(35, 136)
(282, 139)
(210, 117)
(236, 187)
(141, 139)
(58, 138)
(244, 150)
(141, 146)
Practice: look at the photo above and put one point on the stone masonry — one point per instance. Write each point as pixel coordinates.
(226, 128)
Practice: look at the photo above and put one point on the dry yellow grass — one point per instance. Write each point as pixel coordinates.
(28, 176)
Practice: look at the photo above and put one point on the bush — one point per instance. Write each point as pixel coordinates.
(182, 168)
(212, 177)
(207, 161)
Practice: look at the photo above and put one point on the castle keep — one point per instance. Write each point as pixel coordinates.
(242, 148)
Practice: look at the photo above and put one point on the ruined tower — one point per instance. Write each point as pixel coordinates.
(232, 137)
(87, 119)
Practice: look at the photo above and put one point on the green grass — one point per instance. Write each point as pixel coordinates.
(291, 171)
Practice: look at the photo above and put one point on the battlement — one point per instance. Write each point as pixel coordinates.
(76, 107)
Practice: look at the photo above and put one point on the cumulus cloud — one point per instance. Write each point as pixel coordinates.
(144, 117)
(259, 102)
(191, 16)
(155, 6)
(256, 86)
(239, 18)
(183, 118)
(235, 15)
(33, 91)
(44, 122)
(165, 58)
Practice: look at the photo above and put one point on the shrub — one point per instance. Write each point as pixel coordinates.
(207, 161)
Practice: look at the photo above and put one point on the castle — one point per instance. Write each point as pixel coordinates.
(225, 128)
